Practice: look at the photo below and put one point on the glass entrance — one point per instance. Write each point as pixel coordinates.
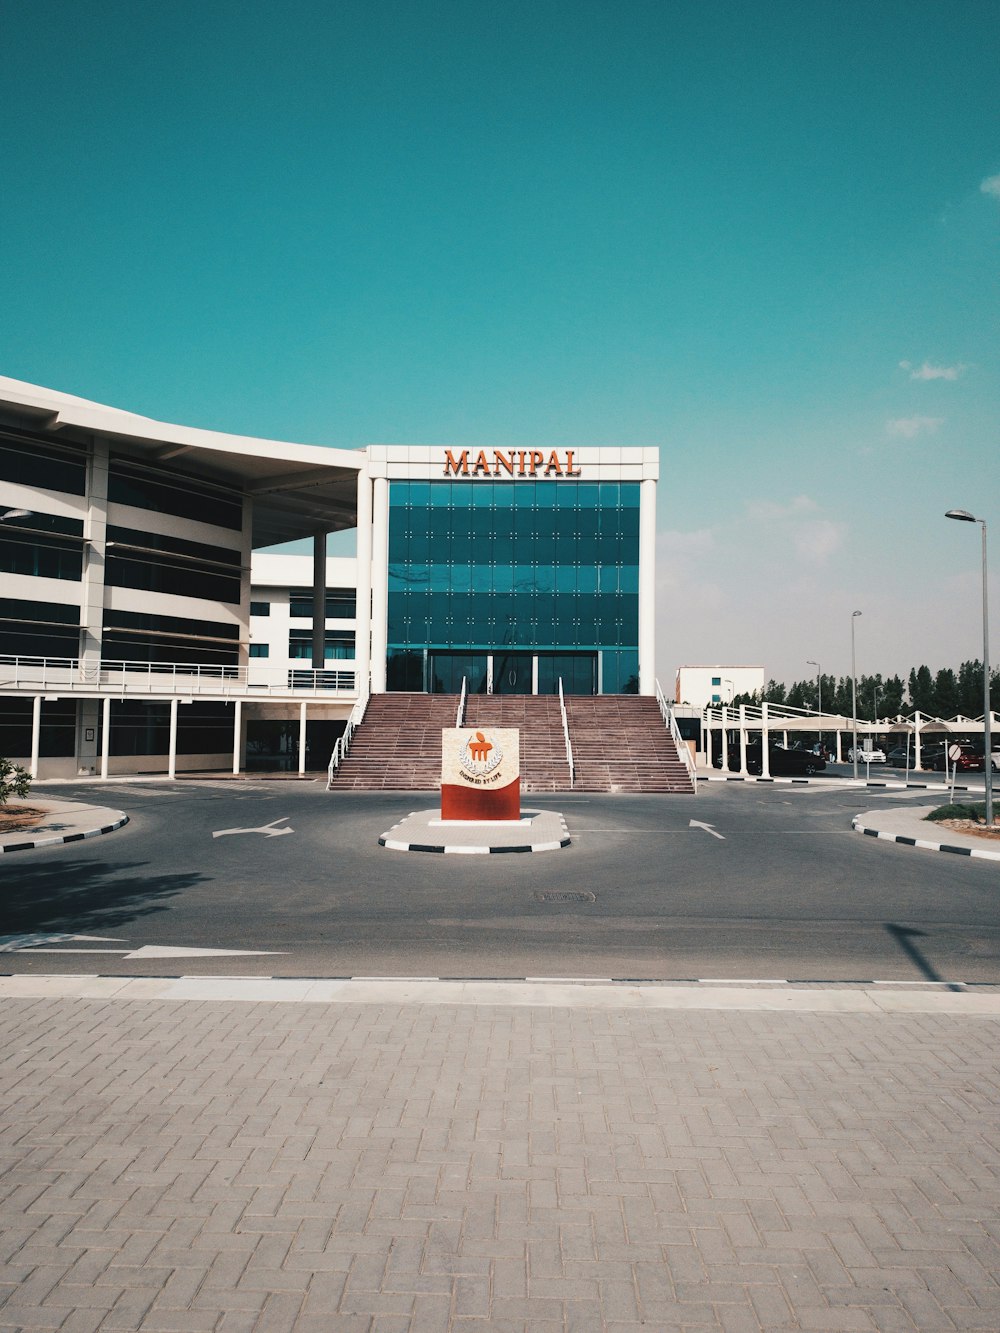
(512, 673)
(445, 672)
(577, 670)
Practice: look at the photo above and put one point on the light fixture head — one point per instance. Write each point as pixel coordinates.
(855, 613)
(962, 515)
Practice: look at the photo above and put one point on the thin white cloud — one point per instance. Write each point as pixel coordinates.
(991, 185)
(908, 428)
(768, 511)
(929, 372)
(819, 540)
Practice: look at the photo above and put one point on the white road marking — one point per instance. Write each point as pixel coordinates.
(268, 830)
(696, 823)
(15, 943)
(171, 951)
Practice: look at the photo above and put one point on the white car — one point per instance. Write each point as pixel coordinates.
(867, 755)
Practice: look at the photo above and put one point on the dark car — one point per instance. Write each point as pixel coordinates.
(781, 762)
(968, 761)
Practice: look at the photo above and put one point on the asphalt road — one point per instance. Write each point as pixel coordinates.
(786, 891)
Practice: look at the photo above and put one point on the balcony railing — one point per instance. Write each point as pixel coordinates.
(211, 680)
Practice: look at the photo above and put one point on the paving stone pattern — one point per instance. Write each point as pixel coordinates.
(202, 1166)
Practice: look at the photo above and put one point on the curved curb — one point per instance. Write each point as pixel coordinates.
(819, 777)
(462, 849)
(56, 839)
(393, 846)
(922, 843)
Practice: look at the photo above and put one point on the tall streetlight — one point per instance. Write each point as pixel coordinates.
(819, 695)
(854, 698)
(964, 516)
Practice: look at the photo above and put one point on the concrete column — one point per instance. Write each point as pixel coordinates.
(724, 715)
(837, 749)
(917, 764)
(363, 611)
(765, 743)
(743, 739)
(36, 733)
(172, 753)
(302, 737)
(534, 673)
(380, 582)
(105, 736)
(489, 673)
(95, 532)
(246, 554)
(237, 733)
(647, 587)
(319, 602)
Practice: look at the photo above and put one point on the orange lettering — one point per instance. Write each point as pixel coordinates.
(537, 459)
(503, 461)
(569, 464)
(553, 465)
(481, 465)
(520, 462)
(456, 465)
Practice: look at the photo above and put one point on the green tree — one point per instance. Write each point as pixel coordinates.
(921, 688)
(946, 693)
(14, 781)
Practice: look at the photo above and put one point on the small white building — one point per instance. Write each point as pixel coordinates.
(703, 686)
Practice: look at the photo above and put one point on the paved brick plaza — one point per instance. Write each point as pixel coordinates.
(263, 1166)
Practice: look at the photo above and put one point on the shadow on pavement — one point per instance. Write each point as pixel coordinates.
(85, 896)
(904, 937)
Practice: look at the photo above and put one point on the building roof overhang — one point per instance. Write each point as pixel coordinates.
(298, 490)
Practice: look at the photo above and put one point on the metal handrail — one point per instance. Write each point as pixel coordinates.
(460, 714)
(667, 713)
(137, 677)
(569, 744)
(343, 742)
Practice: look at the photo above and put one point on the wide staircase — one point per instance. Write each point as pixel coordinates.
(620, 743)
(397, 747)
(544, 766)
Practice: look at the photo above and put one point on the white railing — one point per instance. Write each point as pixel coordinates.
(667, 713)
(460, 714)
(343, 743)
(565, 722)
(218, 680)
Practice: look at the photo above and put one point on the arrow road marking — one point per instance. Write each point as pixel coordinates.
(696, 823)
(268, 830)
(15, 943)
(42, 943)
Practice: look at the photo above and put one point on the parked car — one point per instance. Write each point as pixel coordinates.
(781, 762)
(867, 754)
(900, 757)
(968, 761)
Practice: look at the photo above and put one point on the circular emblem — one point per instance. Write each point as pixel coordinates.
(480, 755)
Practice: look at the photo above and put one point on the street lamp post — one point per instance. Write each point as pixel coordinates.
(819, 696)
(854, 698)
(964, 516)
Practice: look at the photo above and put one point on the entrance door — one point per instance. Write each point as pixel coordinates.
(512, 673)
(578, 672)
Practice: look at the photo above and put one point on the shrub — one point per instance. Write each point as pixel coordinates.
(974, 810)
(14, 781)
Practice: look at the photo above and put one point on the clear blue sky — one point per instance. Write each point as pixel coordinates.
(764, 237)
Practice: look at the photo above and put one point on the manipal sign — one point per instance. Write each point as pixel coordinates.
(510, 463)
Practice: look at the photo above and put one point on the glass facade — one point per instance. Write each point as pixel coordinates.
(539, 575)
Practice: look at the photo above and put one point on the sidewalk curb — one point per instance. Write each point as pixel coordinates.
(7, 847)
(922, 843)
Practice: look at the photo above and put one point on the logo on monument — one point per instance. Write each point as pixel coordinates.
(480, 756)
